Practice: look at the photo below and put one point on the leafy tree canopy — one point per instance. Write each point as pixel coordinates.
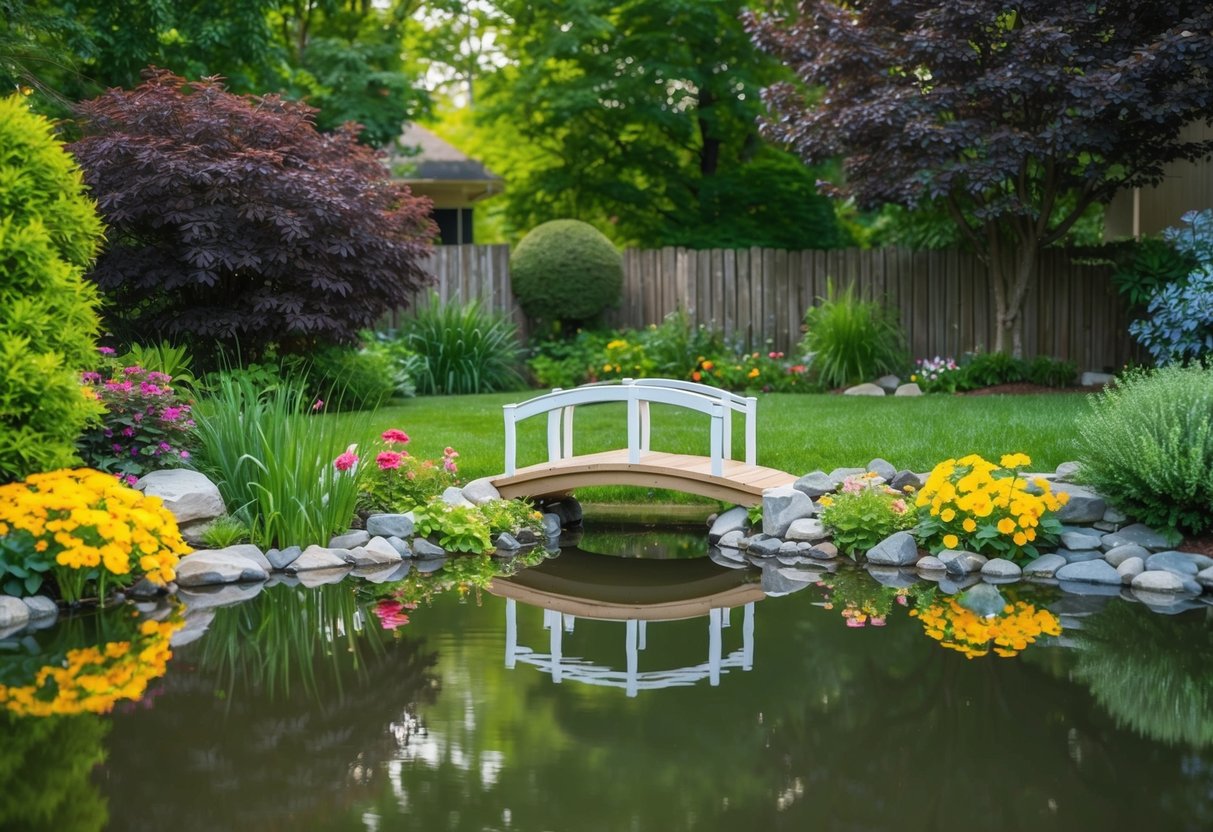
(1014, 118)
(233, 221)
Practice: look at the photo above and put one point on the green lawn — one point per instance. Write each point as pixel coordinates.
(796, 432)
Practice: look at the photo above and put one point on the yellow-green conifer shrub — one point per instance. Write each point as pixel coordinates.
(49, 234)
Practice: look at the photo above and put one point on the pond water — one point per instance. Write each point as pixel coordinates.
(505, 706)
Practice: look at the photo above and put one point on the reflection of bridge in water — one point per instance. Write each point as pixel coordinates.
(585, 585)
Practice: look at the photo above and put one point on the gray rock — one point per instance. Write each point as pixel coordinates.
(930, 563)
(728, 558)
(377, 552)
(551, 524)
(1120, 554)
(898, 549)
(734, 520)
(815, 483)
(767, 547)
(401, 547)
(959, 562)
(453, 496)
(1067, 471)
(40, 608)
(1138, 534)
(213, 597)
(1001, 568)
(1044, 566)
(429, 565)
(1165, 603)
(282, 558)
(352, 538)
(910, 389)
(1181, 563)
(316, 557)
(1085, 506)
(219, 566)
(1079, 541)
(1159, 580)
(423, 548)
(894, 576)
(888, 383)
(1089, 588)
(188, 495)
(1093, 379)
(777, 582)
(949, 585)
(321, 577)
(195, 627)
(478, 492)
(789, 553)
(839, 475)
(984, 600)
(1205, 577)
(730, 540)
(904, 478)
(824, 550)
(13, 613)
(250, 551)
(1080, 555)
(1130, 568)
(568, 510)
(390, 525)
(882, 468)
(1092, 571)
(806, 529)
(377, 574)
(781, 506)
(863, 390)
(143, 589)
(525, 536)
(195, 533)
(1114, 515)
(506, 542)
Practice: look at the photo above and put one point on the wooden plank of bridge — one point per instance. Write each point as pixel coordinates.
(740, 483)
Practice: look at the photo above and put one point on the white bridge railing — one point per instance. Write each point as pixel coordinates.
(638, 394)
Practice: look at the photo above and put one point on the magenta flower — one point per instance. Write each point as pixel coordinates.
(170, 414)
(395, 436)
(391, 614)
(90, 377)
(319, 404)
(388, 460)
(105, 350)
(347, 460)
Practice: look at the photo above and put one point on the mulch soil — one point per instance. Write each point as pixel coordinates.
(1024, 388)
(1202, 545)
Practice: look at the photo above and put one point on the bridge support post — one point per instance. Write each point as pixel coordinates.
(633, 657)
(714, 638)
(747, 638)
(511, 633)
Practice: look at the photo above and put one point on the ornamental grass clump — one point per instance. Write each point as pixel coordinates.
(865, 512)
(982, 507)
(461, 348)
(88, 531)
(852, 340)
(1147, 445)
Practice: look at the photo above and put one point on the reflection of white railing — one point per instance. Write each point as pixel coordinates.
(638, 394)
(635, 637)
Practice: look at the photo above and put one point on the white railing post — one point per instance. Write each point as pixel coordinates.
(511, 633)
(747, 637)
(511, 449)
(554, 432)
(717, 440)
(567, 417)
(751, 431)
(728, 433)
(633, 426)
(633, 658)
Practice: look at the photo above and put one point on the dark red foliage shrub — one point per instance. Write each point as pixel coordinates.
(232, 220)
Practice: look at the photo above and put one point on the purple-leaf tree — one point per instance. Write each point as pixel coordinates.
(233, 221)
(1014, 116)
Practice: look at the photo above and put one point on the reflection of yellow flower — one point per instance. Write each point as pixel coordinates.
(960, 629)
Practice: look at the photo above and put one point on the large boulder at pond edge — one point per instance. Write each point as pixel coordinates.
(218, 566)
(898, 549)
(188, 495)
(781, 506)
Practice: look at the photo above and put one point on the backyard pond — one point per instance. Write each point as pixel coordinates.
(554, 694)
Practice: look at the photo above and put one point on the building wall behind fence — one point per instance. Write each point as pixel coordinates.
(758, 297)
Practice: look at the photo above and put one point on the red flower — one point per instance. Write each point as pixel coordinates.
(395, 436)
(388, 460)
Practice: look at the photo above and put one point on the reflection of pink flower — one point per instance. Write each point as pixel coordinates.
(388, 460)
(395, 436)
(854, 622)
(347, 460)
(877, 622)
(391, 614)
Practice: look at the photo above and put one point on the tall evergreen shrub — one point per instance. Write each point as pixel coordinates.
(49, 234)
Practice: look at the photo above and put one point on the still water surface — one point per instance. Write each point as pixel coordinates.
(298, 710)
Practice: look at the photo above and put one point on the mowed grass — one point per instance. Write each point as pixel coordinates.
(796, 433)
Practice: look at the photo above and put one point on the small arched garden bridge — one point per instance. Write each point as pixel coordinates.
(718, 475)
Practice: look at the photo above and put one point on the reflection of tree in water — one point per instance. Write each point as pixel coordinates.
(284, 711)
(1153, 673)
(45, 766)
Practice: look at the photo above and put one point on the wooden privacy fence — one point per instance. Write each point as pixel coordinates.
(757, 297)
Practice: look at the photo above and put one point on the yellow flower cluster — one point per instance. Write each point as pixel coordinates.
(957, 628)
(94, 679)
(84, 519)
(986, 506)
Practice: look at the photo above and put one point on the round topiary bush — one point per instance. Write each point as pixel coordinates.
(49, 233)
(566, 270)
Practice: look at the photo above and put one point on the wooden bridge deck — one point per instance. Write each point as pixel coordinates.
(738, 483)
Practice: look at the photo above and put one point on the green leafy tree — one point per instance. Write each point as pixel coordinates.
(1015, 118)
(49, 234)
(640, 117)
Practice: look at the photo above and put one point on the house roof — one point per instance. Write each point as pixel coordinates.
(439, 161)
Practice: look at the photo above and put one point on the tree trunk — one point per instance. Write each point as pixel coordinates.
(1009, 283)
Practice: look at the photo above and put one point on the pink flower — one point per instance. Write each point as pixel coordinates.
(898, 506)
(185, 454)
(170, 414)
(319, 404)
(90, 377)
(851, 486)
(449, 465)
(450, 453)
(395, 436)
(347, 460)
(388, 460)
(105, 350)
